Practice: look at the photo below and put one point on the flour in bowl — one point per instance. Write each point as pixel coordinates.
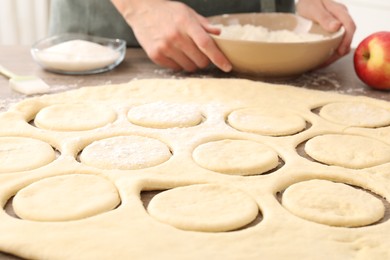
(77, 55)
(249, 32)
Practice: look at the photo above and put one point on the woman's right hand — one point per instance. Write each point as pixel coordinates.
(172, 34)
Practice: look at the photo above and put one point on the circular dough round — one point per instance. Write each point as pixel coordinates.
(256, 120)
(238, 157)
(125, 153)
(356, 114)
(165, 115)
(22, 153)
(333, 204)
(66, 197)
(204, 207)
(74, 117)
(352, 151)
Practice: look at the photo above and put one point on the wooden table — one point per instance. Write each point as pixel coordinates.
(339, 77)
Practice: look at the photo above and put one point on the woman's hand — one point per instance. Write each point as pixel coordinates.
(172, 34)
(331, 16)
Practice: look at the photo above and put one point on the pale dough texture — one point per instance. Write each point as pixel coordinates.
(333, 204)
(165, 115)
(261, 121)
(22, 153)
(82, 178)
(67, 197)
(352, 151)
(204, 207)
(125, 153)
(356, 114)
(239, 157)
(74, 117)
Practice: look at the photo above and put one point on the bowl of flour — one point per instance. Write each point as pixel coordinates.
(274, 44)
(78, 53)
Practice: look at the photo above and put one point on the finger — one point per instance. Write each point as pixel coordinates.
(166, 62)
(212, 29)
(332, 59)
(316, 11)
(189, 48)
(182, 60)
(341, 13)
(166, 54)
(207, 45)
(208, 27)
(185, 52)
(157, 53)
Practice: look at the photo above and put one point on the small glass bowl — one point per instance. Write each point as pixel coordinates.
(78, 60)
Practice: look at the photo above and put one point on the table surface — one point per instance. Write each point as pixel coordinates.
(339, 77)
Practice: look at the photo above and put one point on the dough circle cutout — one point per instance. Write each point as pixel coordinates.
(165, 115)
(236, 157)
(258, 121)
(355, 152)
(66, 197)
(204, 207)
(334, 204)
(74, 117)
(22, 153)
(125, 153)
(356, 114)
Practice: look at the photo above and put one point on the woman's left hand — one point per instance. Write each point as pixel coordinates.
(331, 16)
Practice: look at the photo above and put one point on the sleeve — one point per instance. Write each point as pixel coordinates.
(93, 17)
(100, 17)
(283, 6)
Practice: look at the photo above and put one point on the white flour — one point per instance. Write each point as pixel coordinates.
(261, 34)
(77, 55)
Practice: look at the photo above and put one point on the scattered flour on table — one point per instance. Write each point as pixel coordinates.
(317, 79)
(261, 34)
(5, 104)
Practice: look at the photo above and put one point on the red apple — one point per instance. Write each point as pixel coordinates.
(372, 60)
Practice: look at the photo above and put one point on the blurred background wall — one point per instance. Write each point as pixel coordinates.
(26, 21)
(370, 16)
(23, 21)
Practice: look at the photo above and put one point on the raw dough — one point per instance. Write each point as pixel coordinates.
(356, 114)
(352, 151)
(125, 153)
(334, 204)
(64, 198)
(240, 157)
(165, 115)
(163, 159)
(204, 207)
(266, 122)
(74, 117)
(22, 153)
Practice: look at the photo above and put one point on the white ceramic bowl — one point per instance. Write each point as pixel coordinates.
(78, 61)
(276, 59)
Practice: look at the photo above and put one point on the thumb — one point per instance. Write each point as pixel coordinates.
(329, 23)
(317, 11)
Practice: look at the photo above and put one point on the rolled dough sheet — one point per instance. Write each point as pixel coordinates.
(122, 141)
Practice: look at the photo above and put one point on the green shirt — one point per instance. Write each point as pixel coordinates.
(100, 17)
